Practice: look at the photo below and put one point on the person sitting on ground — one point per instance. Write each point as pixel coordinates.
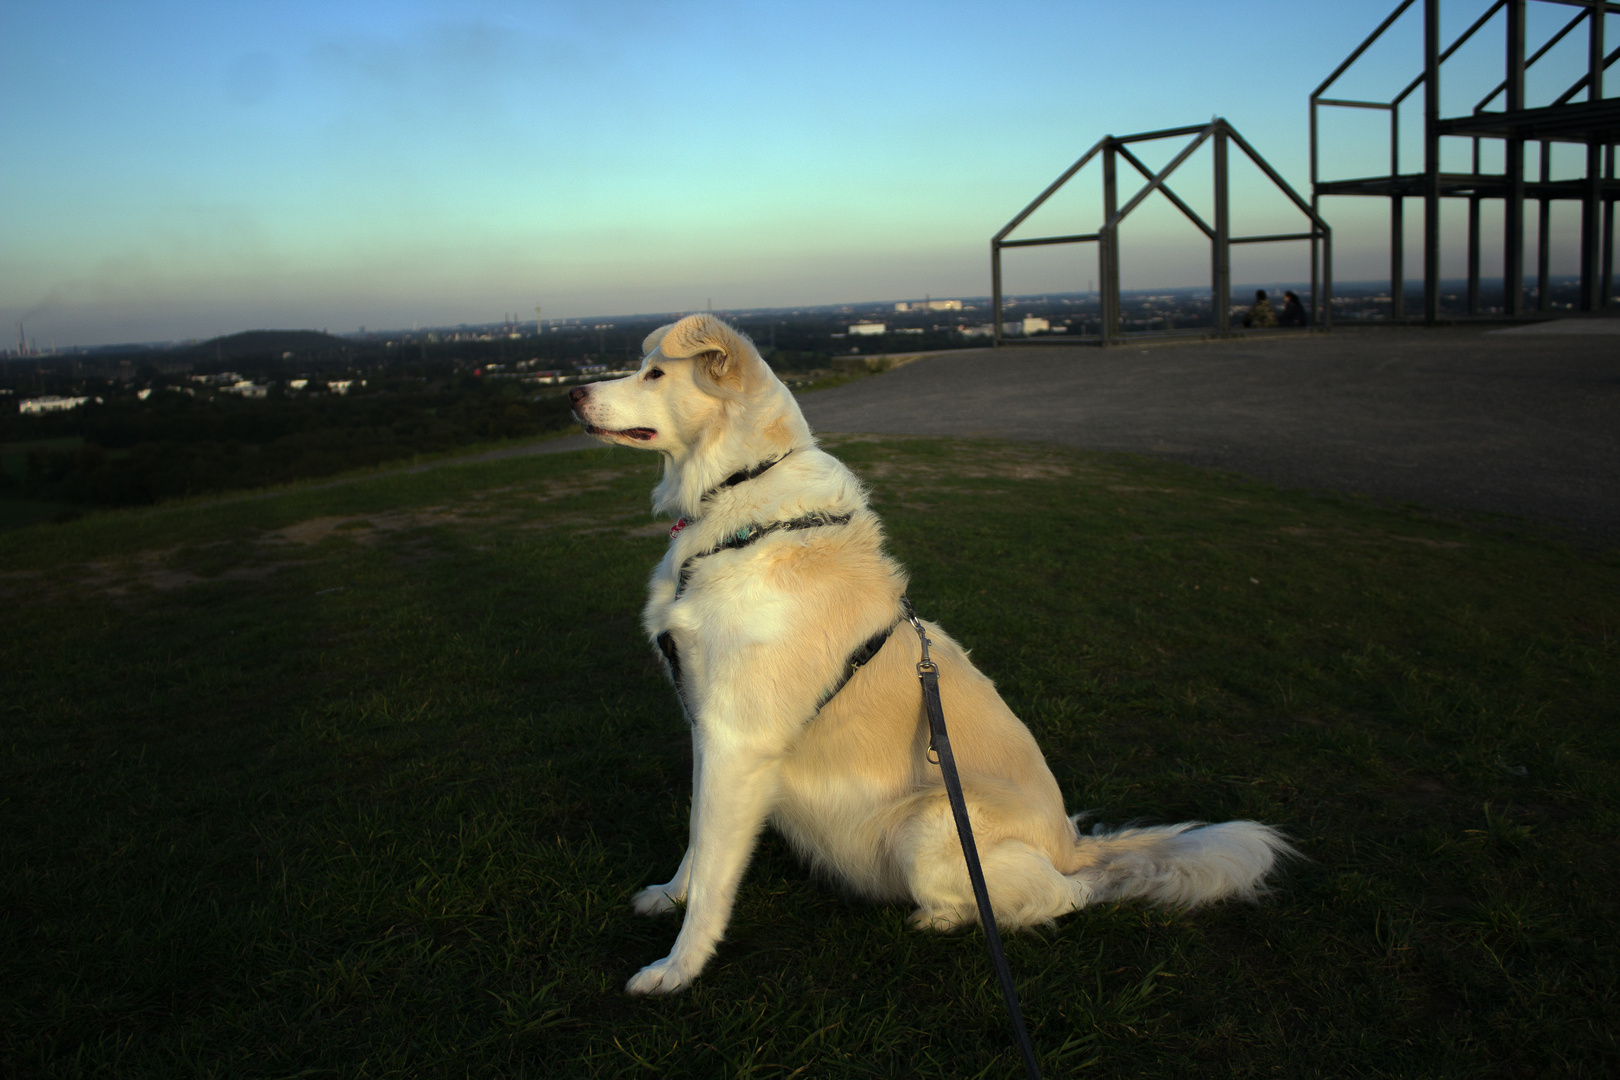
(1261, 313)
(1293, 313)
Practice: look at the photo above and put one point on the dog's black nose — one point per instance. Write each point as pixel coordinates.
(577, 394)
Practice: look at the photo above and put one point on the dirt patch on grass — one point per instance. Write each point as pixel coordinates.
(1345, 536)
(1014, 463)
(168, 579)
(585, 483)
(1426, 542)
(367, 529)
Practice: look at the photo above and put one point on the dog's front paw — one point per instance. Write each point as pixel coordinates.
(656, 900)
(663, 977)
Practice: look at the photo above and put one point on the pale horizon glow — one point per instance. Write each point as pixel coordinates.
(184, 170)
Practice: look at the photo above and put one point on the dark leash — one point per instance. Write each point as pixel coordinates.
(939, 744)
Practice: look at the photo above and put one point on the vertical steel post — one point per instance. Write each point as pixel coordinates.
(1108, 242)
(1397, 257)
(1473, 254)
(1316, 244)
(1327, 278)
(1513, 170)
(1473, 238)
(1221, 287)
(1592, 190)
(995, 291)
(1431, 160)
(1397, 224)
(1608, 241)
(1544, 233)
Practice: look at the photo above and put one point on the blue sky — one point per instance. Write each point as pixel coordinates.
(182, 170)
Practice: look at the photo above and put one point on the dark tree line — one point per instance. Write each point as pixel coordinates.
(143, 452)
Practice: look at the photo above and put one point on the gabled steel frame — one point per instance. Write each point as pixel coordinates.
(1112, 148)
(1594, 122)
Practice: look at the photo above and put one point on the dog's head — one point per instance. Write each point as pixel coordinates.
(704, 399)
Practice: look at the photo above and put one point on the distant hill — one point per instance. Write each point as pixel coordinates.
(268, 346)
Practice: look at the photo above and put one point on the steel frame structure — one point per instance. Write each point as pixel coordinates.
(1594, 122)
(1112, 148)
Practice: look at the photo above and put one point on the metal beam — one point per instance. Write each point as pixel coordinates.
(1453, 47)
(1157, 182)
(995, 293)
(1607, 286)
(1473, 243)
(1274, 237)
(1431, 161)
(1397, 257)
(1041, 240)
(1537, 55)
(1585, 81)
(1165, 133)
(1220, 297)
(1108, 245)
(1607, 5)
(1592, 197)
(1164, 189)
(1347, 104)
(1544, 234)
(1276, 178)
(1356, 55)
(1513, 169)
(1050, 188)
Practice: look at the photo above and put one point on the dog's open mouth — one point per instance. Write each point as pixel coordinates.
(640, 434)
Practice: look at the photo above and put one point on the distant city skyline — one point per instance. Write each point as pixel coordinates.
(187, 170)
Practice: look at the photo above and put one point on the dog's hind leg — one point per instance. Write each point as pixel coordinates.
(736, 788)
(1024, 886)
(662, 899)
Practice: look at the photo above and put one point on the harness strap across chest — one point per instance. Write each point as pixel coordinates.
(743, 537)
(857, 660)
(751, 533)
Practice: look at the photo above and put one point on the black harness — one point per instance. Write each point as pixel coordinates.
(751, 534)
(748, 534)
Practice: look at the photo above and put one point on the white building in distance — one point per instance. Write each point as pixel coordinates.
(50, 403)
(1029, 325)
(869, 329)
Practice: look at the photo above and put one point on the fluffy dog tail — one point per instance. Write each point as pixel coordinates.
(1179, 865)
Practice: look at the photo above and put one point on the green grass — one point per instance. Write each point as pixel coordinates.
(357, 781)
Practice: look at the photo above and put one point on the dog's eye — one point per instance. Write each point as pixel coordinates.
(654, 373)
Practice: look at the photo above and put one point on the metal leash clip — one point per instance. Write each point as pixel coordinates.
(926, 668)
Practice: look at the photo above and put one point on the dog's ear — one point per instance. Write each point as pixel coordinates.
(650, 342)
(721, 350)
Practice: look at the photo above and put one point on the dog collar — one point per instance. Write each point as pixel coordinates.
(741, 476)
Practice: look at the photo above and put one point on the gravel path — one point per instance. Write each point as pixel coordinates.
(1463, 418)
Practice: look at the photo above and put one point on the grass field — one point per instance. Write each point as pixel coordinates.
(357, 781)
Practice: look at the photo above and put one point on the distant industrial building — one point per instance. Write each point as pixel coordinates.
(869, 329)
(1029, 325)
(50, 403)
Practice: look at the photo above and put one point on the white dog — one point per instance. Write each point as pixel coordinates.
(773, 610)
